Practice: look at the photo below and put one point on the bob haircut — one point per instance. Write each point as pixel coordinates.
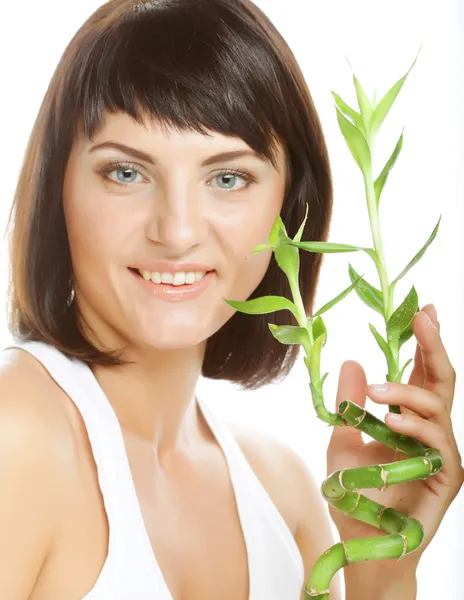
(217, 65)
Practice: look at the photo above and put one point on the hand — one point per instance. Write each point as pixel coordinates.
(425, 403)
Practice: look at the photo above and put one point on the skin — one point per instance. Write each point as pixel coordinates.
(177, 211)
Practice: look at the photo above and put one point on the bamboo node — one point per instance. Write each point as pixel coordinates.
(384, 476)
(427, 461)
(340, 479)
(360, 419)
(356, 505)
(405, 545)
(348, 562)
(313, 592)
(380, 515)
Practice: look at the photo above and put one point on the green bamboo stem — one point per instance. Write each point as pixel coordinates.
(341, 488)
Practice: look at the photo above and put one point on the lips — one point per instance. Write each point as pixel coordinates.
(174, 293)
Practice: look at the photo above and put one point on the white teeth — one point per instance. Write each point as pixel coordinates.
(179, 278)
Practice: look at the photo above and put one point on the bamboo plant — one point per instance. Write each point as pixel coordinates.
(341, 488)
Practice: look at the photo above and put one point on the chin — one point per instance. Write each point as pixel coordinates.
(169, 338)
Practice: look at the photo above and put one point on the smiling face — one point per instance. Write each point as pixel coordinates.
(123, 210)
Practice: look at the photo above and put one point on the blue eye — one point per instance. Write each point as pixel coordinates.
(125, 168)
(231, 175)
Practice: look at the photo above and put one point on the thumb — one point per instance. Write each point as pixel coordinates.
(352, 383)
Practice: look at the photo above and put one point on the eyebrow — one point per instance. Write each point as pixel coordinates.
(221, 157)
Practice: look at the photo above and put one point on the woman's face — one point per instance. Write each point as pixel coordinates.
(171, 209)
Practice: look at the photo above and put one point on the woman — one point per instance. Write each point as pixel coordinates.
(131, 488)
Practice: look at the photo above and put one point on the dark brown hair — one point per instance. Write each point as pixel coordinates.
(217, 65)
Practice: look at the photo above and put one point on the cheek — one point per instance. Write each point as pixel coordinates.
(240, 235)
(242, 232)
(244, 270)
(94, 231)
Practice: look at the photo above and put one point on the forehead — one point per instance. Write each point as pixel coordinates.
(151, 133)
(120, 126)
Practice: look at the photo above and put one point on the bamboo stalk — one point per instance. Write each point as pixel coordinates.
(341, 488)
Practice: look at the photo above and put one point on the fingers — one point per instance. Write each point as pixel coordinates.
(417, 376)
(434, 436)
(422, 402)
(439, 374)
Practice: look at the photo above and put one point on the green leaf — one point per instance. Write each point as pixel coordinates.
(356, 142)
(288, 334)
(364, 104)
(325, 247)
(261, 248)
(278, 225)
(401, 318)
(407, 333)
(387, 101)
(368, 293)
(297, 237)
(336, 299)
(418, 255)
(318, 328)
(400, 375)
(382, 178)
(263, 305)
(349, 112)
(384, 347)
(273, 238)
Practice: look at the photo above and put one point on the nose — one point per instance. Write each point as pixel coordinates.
(177, 220)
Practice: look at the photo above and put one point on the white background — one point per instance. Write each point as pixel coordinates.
(381, 41)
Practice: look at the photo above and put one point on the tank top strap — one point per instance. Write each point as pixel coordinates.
(107, 445)
(262, 522)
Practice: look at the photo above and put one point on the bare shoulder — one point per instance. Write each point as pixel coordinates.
(294, 490)
(32, 472)
(32, 410)
(30, 396)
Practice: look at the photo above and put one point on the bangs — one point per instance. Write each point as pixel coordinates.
(185, 67)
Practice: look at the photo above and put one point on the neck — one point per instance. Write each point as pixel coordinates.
(154, 398)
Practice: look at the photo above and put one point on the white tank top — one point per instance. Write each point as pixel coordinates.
(275, 564)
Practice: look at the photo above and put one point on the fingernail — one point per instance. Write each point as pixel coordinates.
(394, 417)
(429, 320)
(434, 311)
(378, 388)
